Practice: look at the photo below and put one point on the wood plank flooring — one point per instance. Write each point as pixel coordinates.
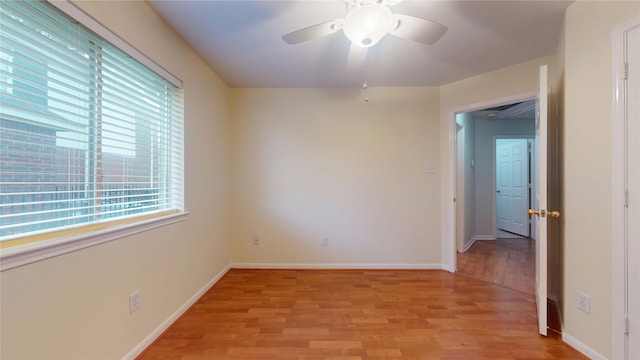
(357, 314)
(508, 262)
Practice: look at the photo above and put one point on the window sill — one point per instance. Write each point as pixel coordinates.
(26, 254)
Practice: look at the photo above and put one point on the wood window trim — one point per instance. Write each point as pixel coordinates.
(26, 250)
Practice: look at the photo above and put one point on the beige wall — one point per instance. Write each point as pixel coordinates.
(587, 170)
(75, 306)
(314, 162)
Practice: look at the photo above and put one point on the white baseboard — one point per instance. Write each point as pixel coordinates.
(581, 347)
(484, 237)
(448, 268)
(475, 238)
(468, 245)
(333, 266)
(169, 321)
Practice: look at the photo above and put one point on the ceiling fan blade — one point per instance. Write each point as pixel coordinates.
(357, 57)
(418, 29)
(312, 32)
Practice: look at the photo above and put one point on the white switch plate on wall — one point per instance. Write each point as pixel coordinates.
(430, 169)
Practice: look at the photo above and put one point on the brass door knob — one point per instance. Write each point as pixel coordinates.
(540, 213)
(543, 213)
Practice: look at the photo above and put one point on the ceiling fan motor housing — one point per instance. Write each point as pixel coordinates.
(365, 25)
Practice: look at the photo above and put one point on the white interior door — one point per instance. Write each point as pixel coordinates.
(512, 185)
(542, 106)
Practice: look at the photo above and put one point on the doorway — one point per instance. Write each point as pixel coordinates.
(503, 257)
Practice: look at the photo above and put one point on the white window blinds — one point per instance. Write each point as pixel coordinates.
(87, 133)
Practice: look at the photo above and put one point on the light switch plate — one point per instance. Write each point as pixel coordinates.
(430, 169)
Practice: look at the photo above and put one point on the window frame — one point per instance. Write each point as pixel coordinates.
(55, 242)
(30, 252)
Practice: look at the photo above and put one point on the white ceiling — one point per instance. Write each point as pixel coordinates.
(241, 41)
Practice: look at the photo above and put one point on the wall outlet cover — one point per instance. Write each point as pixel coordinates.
(583, 302)
(134, 301)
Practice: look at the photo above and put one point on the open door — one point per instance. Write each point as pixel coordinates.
(540, 201)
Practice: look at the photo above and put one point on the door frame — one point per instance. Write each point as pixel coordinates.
(460, 185)
(618, 252)
(448, 245)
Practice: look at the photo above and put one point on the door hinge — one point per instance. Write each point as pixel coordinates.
(625, 71)
(626, 326)
(626, 198)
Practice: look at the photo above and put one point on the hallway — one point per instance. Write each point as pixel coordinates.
(509, 262)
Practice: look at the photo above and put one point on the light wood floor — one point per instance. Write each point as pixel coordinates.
(508, 262)
(353, 314)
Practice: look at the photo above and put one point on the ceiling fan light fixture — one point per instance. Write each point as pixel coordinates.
(365, 25)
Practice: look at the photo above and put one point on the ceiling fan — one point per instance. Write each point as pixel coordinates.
(366, 23)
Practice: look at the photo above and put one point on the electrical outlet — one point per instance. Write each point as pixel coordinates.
(134, 301)
(583, 302)
(325, 240)
(256, 241)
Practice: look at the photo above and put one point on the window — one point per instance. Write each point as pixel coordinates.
(88, 134)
